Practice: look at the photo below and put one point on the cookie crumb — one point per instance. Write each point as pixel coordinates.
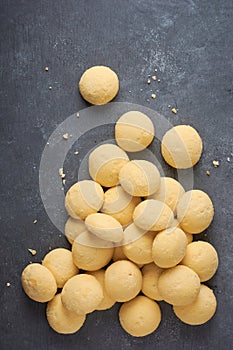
(50, 87)
(215, 163)
(228, 159)
(208, 172)
(64, 181)
(76, 152)
(148, 81)
(141, 89)
(47, 143)
(46, 69)
(61, 173)
(8, 284)
(154, 77)
(32, 251)
(158, 80)
(148, 100)
(50, 248)
(35, 221)
(153, 96)
(65, 136)
(156, 70)
(174, 110)
(169, 106)
(77, 115)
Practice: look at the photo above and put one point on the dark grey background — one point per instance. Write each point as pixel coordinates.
(190, 42)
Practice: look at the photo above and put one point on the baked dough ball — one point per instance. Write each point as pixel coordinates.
(120, 205)
(189, 236)
(104, 227)
(139, 178)
(181, 147)
(170, 192)
(82, 294)
(90, 252)
(99, 85)
(38, 283)
(60, 319)
(84, 198)
(105, 163)
(195, 211)
(179, 285)
(119, 254)
(59, 261)
(202, 258)
(107, 302)
(140, 316)
(153, 215)
(134, 131)
(123, 280)
(150, 277)
(73, 228)
(169, 247)
(201, 310)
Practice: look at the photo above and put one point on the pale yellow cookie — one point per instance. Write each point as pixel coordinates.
(169, 247)
(107, 301)
(118, 254)
(84, 198)
(139, 178)
(195, 211)
(123, 280)
(134, 131)
(99, 85)
(82, 294)
(153, 215)
(189, 236)
(150, 277)
(38, 283)
(179, 285)
(73, 228)
(105, 227)
(60, 319)
(181, 147)
(202, 258)
(119, 204)
(201, 310)
(105, 163)
(59, 261)
(140, 316)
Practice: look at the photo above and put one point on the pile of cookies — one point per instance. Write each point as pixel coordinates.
(131, 232)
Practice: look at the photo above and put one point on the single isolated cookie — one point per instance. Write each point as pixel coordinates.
(105, 227)
(169, 247)
(200, 311)
(60, 319)
(107, 301)
(59, 261)
(140, 316)
(189, 236)
(153, 215)
(84, 198)
(150, 277)
(134, 131)
(181, 147)
(82, 294)
(195, 211)
(73, 228)
(179, 285)
(120, 205)
(38, 283)
(99, 85)
(139, 178)
(170, 192)
(105, 163)
(123, 280)
(202, 258)
(90, 252)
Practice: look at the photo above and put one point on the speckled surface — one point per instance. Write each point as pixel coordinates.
(190, 42)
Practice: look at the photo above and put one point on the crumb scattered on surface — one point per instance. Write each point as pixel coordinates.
(174, 110)
(65, 136)
(141, 89)
(158, 80)
(156, 69)
(129, 91)
(77, 115)
(154, 77)
(228, 159)
(147, 99)
(47, 143)
(148, 81)
(208, 172)
(32, 251)
(50, 248)
(169, 106)
(64, 181)
(50, 87)
(46, 69)
(35, 221)
(8, 284)
(61, 173)
(215, 163)
(76, 152)
(153, 96)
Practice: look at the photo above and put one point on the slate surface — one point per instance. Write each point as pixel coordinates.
(190, 42)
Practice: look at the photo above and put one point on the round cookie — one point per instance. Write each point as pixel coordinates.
(179, 285)
(189, 236)
(104, 227)
(181, 147)
(134, 131)
(99, 85)
(107, 302)
(90, 252)
(82, 294)
(153, 215)
(140, 316)
(120, 205)
(60, 319)
(150, 277)
(38, 283)
(170, 192)
(118, 254)
(139, 178)
(169, 247)
(195, 211)
(202, 258)
(200, 311)
(84, 198)
(73, 228)
(105, 163)
(123, 280)
(59, 261)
